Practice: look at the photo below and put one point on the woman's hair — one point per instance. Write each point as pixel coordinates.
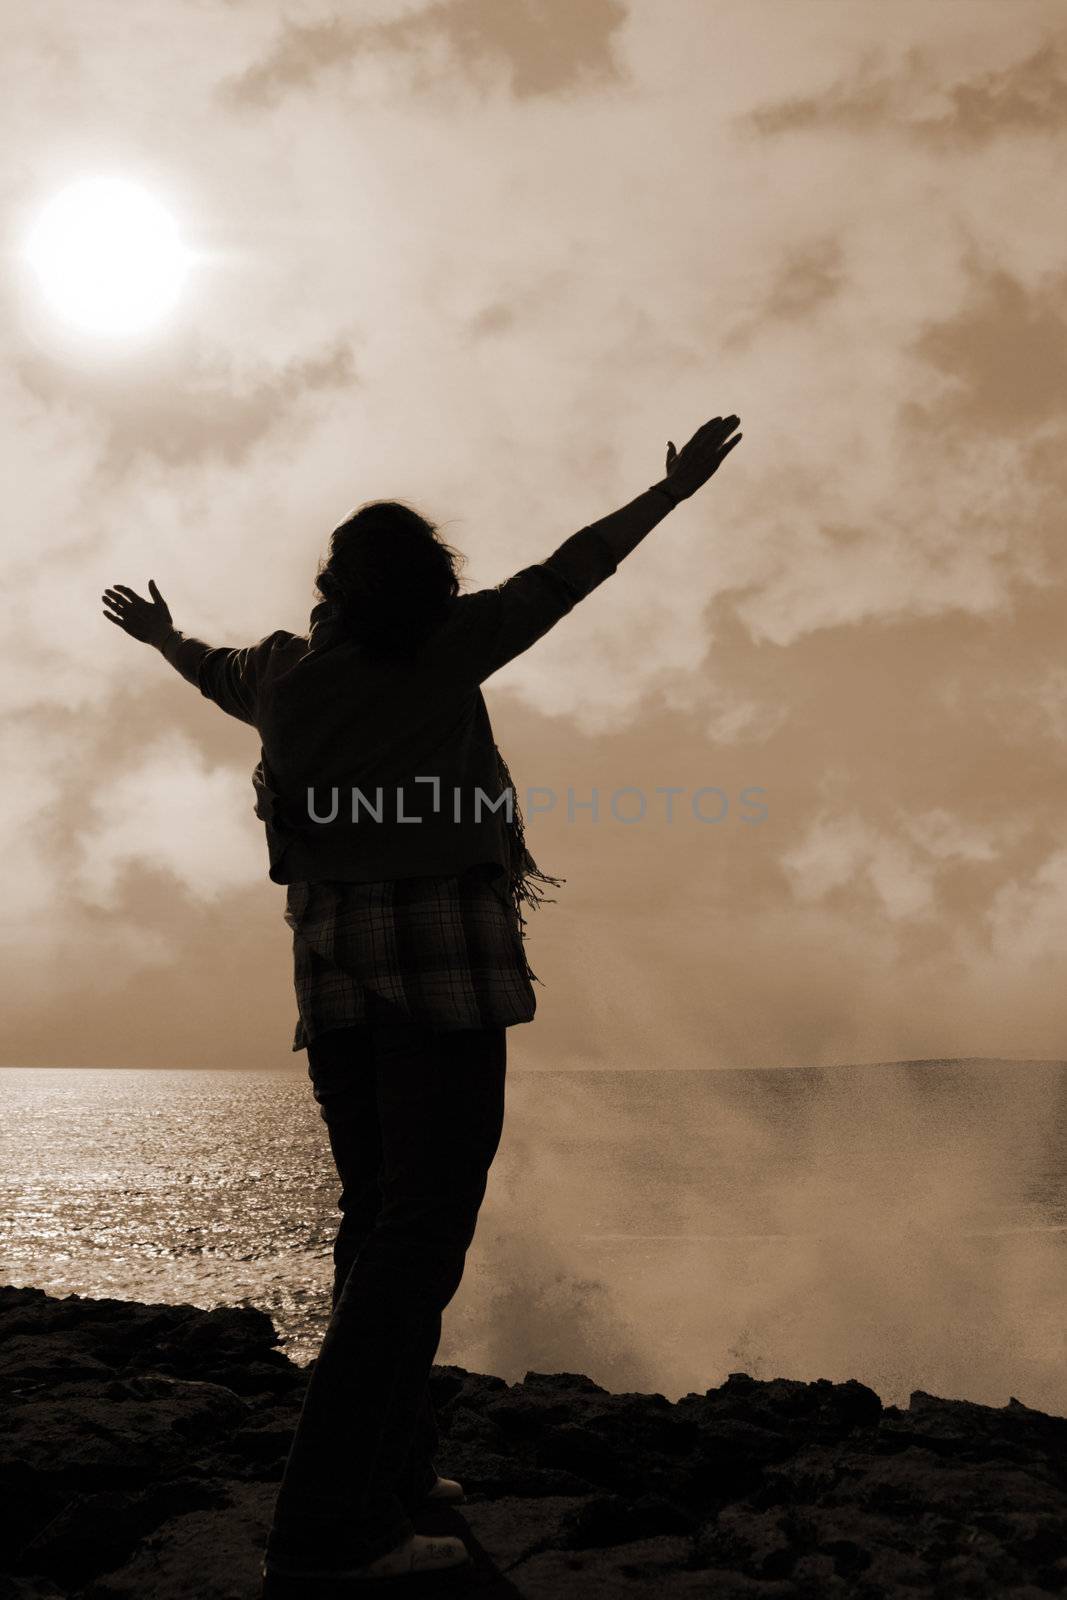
(387, 578)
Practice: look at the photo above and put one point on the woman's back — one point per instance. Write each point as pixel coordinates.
(386, 766)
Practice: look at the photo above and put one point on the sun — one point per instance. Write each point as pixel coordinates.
(108, 256)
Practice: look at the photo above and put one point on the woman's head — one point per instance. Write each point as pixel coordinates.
(387, 577)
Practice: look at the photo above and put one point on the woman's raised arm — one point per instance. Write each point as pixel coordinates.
(686, 472)
(496, 625)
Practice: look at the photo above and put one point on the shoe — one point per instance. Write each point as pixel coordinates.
(419, 1552)
(446, 1489)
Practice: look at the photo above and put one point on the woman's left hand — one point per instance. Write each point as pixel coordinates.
(147, 620)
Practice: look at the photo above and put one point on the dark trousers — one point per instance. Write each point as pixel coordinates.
(414, 1117)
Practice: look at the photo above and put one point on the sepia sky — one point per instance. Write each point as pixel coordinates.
(488, 257)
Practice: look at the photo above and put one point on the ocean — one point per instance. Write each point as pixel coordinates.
(902, 1224)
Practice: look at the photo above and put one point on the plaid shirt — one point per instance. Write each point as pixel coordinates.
(447, 950)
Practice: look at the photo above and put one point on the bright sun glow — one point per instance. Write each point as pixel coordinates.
(108, 256)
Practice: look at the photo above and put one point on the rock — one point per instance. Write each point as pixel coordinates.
(141, 1448)
(653, 1567)
(213, 1554)
(29, 1589)
(513, 1527)
(111, 1431)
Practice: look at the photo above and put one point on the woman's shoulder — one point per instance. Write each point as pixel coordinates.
(468, 620)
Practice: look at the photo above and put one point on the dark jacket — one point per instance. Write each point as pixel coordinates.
(342, 733)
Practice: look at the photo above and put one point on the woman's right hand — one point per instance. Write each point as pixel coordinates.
(695, 463)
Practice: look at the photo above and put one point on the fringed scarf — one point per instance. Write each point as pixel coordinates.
(524, 876)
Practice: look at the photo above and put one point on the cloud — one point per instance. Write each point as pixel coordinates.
(1028, 917)
(1004, 354)
(842, 852)
(184, 407)
(950, 501)
(543, 46)
(55, 941)
(864, 99)
(903, 860)
(807, 278)
(908, 557)
(1029, 96)
(946, 837)
(133, 823)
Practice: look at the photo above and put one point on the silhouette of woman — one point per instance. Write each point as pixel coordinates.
(391, 818)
